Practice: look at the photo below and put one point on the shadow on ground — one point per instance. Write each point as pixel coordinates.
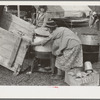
(35, 79)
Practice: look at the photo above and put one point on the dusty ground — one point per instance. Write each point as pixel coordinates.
(37, 79)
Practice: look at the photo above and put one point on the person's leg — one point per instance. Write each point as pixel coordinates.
(59, 72)
(59, 75)
(52, 64)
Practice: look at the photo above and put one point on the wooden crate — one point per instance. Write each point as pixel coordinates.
(15, 35)
(91, 80)
(16, 25)
(13, 49)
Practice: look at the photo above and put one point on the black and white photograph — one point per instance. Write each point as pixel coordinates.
(49, 45)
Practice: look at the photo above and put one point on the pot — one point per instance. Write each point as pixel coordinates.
(89, 39)
(45, 48)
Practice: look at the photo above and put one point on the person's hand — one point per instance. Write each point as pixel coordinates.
(58, 52)
(35, 27)
(36, 44)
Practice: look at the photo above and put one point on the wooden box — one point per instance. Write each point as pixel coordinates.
(15, 35)
(91, 80)
(16, 25)
(13, 49)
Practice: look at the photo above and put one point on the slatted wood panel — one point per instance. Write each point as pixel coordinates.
(16, 25)
(15, 51)
(12, 50)
(7, 42)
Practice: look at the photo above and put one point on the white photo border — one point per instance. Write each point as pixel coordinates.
(39, 92)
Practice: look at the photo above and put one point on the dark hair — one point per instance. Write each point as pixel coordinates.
(53, 28)
(44, 7)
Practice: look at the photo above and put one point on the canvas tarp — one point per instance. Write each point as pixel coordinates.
(75, 11)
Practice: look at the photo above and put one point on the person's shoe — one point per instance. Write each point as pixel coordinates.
(47, 68)
(52, 75)
(43, 70)
(29, 73)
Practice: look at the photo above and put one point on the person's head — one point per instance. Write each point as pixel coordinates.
(42, 9)
(94, 14)
(90, 12)
(51, 26)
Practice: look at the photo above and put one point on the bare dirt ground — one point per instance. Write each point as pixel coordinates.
(37, 79)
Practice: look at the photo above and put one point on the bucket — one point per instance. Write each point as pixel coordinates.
(43, 55)
(45, 48)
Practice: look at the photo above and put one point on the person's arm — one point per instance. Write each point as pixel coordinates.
(91, 18)
(45, 19)
(44, 42)
(33, 18)
(94, 20)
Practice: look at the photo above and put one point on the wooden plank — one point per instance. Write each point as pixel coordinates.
(6, 44)
(17, 29)
(11, 26)
(28, 28)
(7, 19)
(8, 25)
(4, 34)
(24, 49)
(4, 61)
(14, 52)
(14, 25)
(9, 44)
(18, 8)
(15, 19)
(5, 53)
(21, 56)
